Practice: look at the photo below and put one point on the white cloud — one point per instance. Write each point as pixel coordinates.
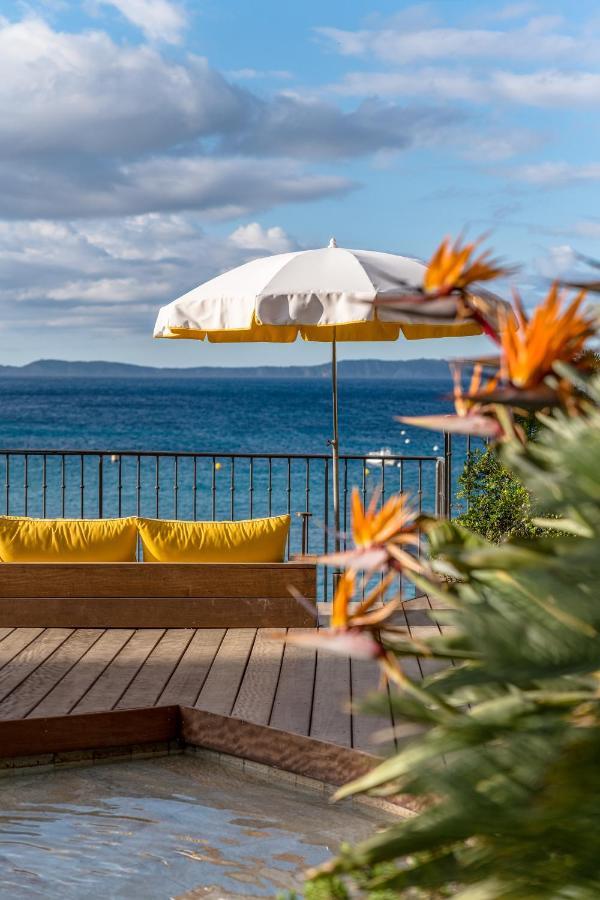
(254, 237)
(248, 74)
(221, 188)
(544, 88)
(159, 20)
(451, 84)
(89, 127)
(66, 93)
(108, 290)
(555, 174)
(587, 228)
(92, 128)
(513, 11)
(550, 88)
(541, 38)
(102, 271)
(472, 64)
(310, 128)
(556, 262)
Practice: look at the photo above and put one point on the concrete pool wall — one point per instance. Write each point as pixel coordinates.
(44, 744)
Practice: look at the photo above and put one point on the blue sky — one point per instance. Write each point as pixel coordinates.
(146, 145)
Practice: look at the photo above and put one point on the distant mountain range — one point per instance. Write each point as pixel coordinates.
(434, 369)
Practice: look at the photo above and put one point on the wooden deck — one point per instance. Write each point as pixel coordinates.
(239, 672)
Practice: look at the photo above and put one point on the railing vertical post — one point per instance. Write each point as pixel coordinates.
(270, 487)
(448, 474)
(44, 485)
(305, 516)
(232, 489)
(289, 503)
(213, 489)
(138, 484)
(81, 486)
(7, 486)
(306, 507)
(325, 525)
(63, 484)
(26, 485)
(100, 487)
(195, 490)
(251, 486)
(440, 487)
(157, 484)
(176, 486)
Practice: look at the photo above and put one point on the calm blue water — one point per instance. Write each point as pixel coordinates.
(214, 415)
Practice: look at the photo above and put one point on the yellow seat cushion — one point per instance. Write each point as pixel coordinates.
(244, 541)
(24, 540)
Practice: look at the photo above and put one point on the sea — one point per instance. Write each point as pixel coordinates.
(217, 415)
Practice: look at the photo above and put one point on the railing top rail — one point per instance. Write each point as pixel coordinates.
(391, 458)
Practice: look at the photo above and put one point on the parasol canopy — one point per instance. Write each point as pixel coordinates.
(330, 294)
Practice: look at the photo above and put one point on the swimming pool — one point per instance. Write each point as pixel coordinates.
(177, 826)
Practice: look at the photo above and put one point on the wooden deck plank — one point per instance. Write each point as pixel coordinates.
(29, 693)
(232, 672)
(365, 680)
(15, 642)
(36, 645)
(220, 689)
(147, 686)
(423, 632)
(292, 707)
(82, 676)
(114, 681)
(410, 664)
(186, 681)
(257, 690)
(421, 601)
(331, 703)
(4, 632)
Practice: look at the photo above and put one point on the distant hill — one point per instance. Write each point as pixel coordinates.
(435, 369)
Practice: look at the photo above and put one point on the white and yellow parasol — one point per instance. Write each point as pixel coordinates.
(329, 295)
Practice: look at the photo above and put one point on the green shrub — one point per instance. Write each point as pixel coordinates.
(498, 506)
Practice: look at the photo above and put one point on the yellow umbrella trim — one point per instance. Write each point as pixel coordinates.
(352, 331)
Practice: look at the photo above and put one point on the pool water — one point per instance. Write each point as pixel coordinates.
(168, 827)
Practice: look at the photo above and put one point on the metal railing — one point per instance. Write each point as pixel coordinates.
(457, 450)
(102, 483)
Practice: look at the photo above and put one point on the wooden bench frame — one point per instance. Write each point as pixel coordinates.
(157, 595)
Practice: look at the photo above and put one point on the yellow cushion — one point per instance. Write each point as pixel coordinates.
(245, 541)
(67, 540)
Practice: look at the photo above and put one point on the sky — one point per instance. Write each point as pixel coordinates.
(147, 145)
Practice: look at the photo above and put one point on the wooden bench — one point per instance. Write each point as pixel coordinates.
(157, 595)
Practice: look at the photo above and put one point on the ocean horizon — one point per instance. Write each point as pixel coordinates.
(217, 415)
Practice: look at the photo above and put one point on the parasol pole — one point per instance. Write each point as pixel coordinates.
(335, 444)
